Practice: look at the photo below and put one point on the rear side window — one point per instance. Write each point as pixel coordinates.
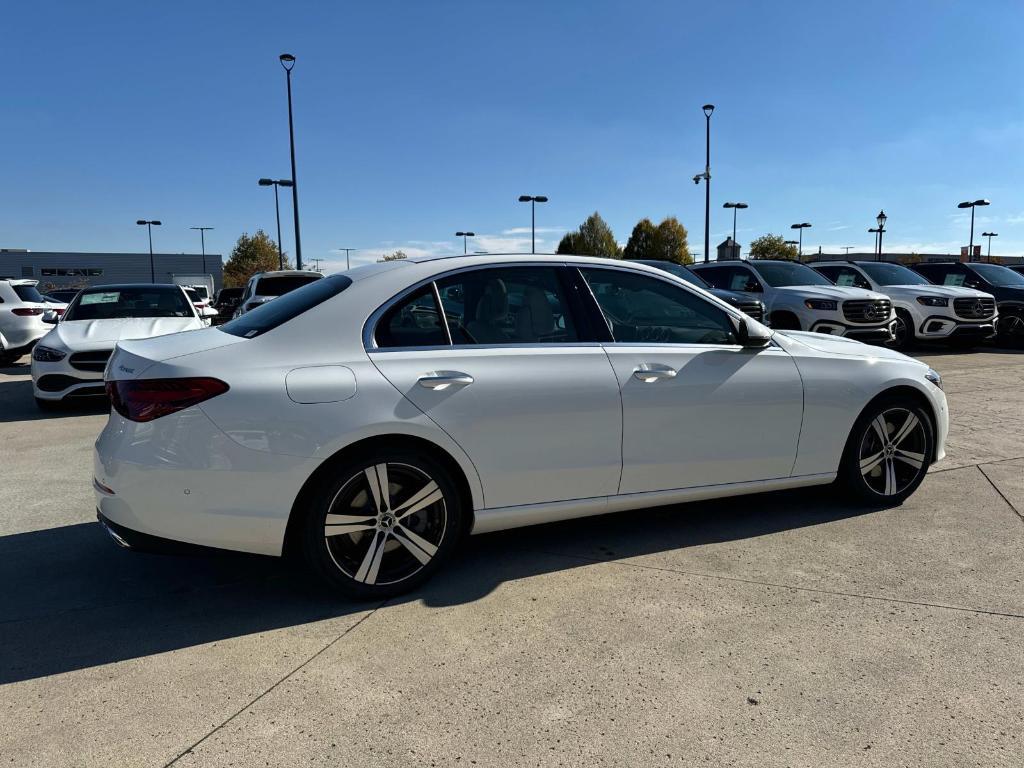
(28, 293)
(412, 322)
(269, 316)
(716, 276)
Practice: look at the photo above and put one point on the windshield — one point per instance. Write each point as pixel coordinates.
(135, 301)
(28, 293)
(780, 274)
(201, 291)
(999, 275)
(279, 286)
(892, 274)
(268, 316)
(676, 269)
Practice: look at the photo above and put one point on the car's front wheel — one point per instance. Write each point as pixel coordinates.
(903, 331)
(384, 525)
(889, 450)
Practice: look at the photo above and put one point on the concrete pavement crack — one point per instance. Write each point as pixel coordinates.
(274, 686)
(775, 585)
(997, 490)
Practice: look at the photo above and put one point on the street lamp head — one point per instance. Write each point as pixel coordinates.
(525, 198)
(874, 230)
(287, 61)
(155, 223)
(729, 205)
(790, 242)
(285, 183)
(965, 205)
(741, 206)
(981, 202)
(540, 199)
(990, 234)
(880, 218)
(708, 109)
(799, 226)
(266, 182)
(142, 222)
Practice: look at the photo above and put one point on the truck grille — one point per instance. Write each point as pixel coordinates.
(753, 308)
(94, 361)
(867, 310)
(974, 309)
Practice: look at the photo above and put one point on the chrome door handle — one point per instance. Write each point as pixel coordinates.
(651, 372)
(444, 379)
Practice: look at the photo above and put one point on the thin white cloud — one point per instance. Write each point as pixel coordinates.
(527, 230)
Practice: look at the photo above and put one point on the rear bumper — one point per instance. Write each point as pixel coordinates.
(181, 479)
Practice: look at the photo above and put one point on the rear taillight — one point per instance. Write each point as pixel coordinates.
(148, 399)
(27, 311)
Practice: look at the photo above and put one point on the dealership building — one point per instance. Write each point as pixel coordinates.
(71, 269)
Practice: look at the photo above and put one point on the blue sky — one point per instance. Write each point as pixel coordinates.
(417, 119)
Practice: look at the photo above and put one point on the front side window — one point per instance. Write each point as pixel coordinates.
(642, 309)
(718, 277)
(507, 305)
(412, 322)
(847, 277)
(742, 279)
(130, 301)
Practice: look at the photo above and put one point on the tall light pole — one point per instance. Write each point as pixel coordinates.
(149, 226)
(972, 206)
(275, 183)
(875, 232)
(880, 219)
(464, 235)
(800, 228)
(708, 109)
(989, 235)
(735, 207)
(533, 200)
(202, 242)
(348, 264)
(288, 62)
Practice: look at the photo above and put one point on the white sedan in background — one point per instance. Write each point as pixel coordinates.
(366, 421)
(68, 362)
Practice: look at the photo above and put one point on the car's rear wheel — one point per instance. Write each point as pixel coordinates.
(889, 451)
(382, 526)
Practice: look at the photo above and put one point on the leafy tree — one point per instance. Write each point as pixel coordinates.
(396, 256)
(251, 254)
(670, 242)
(641, 241)
(773, 247)
(593, 238)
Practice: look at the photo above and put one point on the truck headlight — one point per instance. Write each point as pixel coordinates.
(47, 354)
(933, 301)
(933, 376)
(822, 304)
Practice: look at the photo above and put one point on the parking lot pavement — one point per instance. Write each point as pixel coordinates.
(779, 629)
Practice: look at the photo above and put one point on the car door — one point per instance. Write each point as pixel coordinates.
(508, 373)
(697, 408)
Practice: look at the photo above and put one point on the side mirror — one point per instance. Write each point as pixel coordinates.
(750, 334)
(50, 317)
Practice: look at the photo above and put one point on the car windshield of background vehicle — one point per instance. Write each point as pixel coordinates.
(892, 274)
(678, 270)
(141, 301)
(644, 309)
(279, 286)
(28, 293)
(783, 275)
(999, 275)
(279, 311)
(518, 305)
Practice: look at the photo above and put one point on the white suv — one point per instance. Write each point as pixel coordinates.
(266, 286)
(923, 310)
(22, 309)
(799, 299)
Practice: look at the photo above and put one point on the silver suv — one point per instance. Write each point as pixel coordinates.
(22, 314)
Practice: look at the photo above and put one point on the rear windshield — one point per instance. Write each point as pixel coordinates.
(28, 293)
(136, 301)
(268, 316)
(279, 286)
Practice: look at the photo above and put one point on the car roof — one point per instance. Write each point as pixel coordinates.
(289, 273)
(122, 286)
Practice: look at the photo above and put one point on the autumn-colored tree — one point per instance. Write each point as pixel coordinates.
(773, 247)
(593, 238)
(396, 256)
(251, 254)
(641, 241)
(670, 242)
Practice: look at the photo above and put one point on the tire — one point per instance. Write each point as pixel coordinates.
(785, 321)
(886, 471)
(368, 547)
(1011, 330)
(903, 333)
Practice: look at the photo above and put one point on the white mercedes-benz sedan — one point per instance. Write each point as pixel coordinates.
(367, 421)
(68, 362)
